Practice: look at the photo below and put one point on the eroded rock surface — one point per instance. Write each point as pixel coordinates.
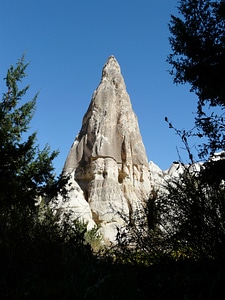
(108, 159)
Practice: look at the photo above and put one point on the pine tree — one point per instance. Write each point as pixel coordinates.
(25, 171)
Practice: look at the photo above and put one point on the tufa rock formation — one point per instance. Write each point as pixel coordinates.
(110, 178)
(107, 163)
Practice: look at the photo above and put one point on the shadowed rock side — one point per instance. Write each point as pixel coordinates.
(108, 158)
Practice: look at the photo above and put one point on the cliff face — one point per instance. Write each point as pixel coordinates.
(108, 159)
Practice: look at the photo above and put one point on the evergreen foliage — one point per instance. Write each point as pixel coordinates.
(35, 250)
(25, 171)
(198, 58)
(198, 44)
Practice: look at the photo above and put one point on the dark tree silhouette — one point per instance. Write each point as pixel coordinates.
(198, 58)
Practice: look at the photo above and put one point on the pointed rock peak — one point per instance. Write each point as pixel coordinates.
(111, 68)
(112, 62)
(108, 159)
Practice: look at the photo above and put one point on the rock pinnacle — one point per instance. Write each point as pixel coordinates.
(108, 159)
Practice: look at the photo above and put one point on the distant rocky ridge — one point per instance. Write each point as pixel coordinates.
(110, 177)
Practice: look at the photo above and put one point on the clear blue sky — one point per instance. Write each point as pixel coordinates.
(68, 42)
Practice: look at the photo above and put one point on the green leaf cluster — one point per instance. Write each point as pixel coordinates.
(198, 58)
(25, 171)
(198, 45)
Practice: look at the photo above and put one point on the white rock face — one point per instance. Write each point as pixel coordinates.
(108, 159)
(75, 205)
(157, 176)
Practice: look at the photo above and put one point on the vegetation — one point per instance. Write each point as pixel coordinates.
(35, 252)
(198, 58)
(176, 249)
